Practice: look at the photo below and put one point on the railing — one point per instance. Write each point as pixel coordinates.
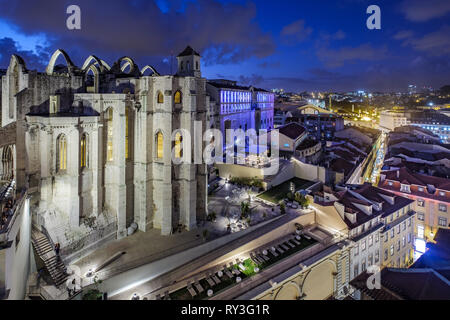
(4, 232)
(45, 232)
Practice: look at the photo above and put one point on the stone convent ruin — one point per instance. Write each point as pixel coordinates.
(93, 146)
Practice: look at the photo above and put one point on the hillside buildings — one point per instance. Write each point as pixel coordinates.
(379, 223)
(430, 196)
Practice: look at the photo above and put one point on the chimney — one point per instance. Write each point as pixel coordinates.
(55, 105)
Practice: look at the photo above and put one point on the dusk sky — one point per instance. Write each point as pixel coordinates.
(295, 45)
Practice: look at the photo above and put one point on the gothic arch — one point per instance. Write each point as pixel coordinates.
(7, 163)
(129, 62)
(96, 71)
(17, 61)
(90, 61)
(151, 68)
(56, 54)
(15, 69)
(159, 144)
(61, 153)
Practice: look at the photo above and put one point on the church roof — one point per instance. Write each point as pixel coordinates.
(188, 52)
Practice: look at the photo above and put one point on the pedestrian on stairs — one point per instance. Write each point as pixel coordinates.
(57, 248)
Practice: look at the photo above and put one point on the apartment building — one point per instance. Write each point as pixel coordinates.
(430, 196)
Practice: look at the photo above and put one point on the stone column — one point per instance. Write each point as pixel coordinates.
(95, 156)
(119, 179)
(46, 152)
(73, 173)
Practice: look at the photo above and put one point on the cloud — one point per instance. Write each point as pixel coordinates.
(337, 57)
(268, 64)
(295, 32)
(254, 79)
(33, 60)
(222, 33)
(421, 11)
(404, 34)
(435, 43)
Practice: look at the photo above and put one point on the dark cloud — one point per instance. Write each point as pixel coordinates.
(33, 60)
(254, 79)
(404, 34)
(421, 11)
(435, 43)
(295, 32)
(223, 33)
(268, 64)
(337, 57)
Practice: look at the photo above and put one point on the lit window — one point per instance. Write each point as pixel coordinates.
(442, 222)
(392, 249)
(159, 145)
(83, 151)
(62, 153)
(160, 97)
(109, 147)
(127, 134)
(178, 140)
(420, 231)
(177, 98)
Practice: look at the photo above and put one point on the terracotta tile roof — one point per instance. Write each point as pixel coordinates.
(292, 130)
(406, 284)
(407, 177)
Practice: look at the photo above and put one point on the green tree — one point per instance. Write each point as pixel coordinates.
(245, 209)
(282, 207)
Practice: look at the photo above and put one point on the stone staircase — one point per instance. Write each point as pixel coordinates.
(45, 251)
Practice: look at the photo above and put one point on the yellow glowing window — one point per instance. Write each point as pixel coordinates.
(159, 145)
(83, 151)
(62, 153)
(178, 140)
(160, 97)
(109, 146)
(127, 148)
(177, 97)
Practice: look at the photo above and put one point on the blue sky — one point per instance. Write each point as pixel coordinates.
(296, 45)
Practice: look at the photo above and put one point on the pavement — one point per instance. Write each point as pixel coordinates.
(140, 248)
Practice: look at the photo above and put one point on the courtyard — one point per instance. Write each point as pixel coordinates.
(278, 193)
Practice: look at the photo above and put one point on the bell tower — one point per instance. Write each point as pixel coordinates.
(189, 63)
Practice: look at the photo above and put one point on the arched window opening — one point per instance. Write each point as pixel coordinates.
(177, 97)
(109, 146)
(61, 161)
(83, 151)
(127, 133)
(159, 145)
(160, 97)
(182, 65)
(196, 65)
(178, 150)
